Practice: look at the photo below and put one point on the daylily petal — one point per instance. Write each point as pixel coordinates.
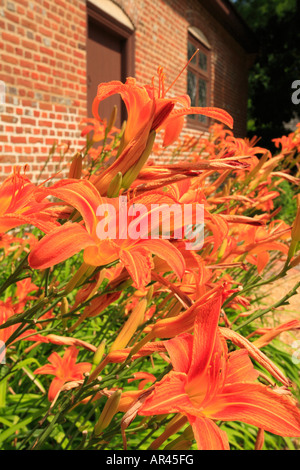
(105, 252)
(167, 251)
(127, 159)
(81, 194)
(81, 368)
(255, 353)
(59, 245)
(138, 263)
(208, 435)
(207, 379)
(257, 405)
(136, 100)
(46, 369)
(61, 340)
(271, 333)
(128, 398)
(169, 396)
(69, 358)
(214, 113)
(172, 130)
(180, 350)
(240, 368)
(9, 221)
(54, 388)
(208, 304)
(55, 359)
(205, 330)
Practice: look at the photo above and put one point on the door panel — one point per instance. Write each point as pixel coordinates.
(105, 58)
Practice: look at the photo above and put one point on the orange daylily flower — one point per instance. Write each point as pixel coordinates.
(18, 205)
(61, 340)
(64, 369)
(144, 377)
(255, 242)
(148, 111)
(14, 305)
(70, 238)
(268, 334)
(207, 384)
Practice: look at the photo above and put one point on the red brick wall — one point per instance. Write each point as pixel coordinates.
(43, 64)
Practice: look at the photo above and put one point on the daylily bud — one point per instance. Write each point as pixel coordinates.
(150, 294)
(162, 115)
(295, 261)
(64, 309)
(260, 439)
(112, 120)
(179, 444)
(121, 134)
(108, 412)
(99, 353)
(296, 225)
(182, 442)
(222, 248)
(81, 274)
(134, 171)
(136, 318)
(171, 428)
(115, 185)
(295, 234)
(76, 167)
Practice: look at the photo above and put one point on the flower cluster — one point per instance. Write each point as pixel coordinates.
(168, 339)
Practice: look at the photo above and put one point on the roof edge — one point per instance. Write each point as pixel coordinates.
(226, 13)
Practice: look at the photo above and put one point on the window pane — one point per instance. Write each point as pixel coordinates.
(202, 61)
(191, 51)
(191, 79)
(202, 97)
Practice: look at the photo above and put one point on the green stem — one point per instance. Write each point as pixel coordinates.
(11, 279)
(260, 313)
(3, 388)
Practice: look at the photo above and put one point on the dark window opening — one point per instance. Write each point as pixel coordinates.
(198, 81)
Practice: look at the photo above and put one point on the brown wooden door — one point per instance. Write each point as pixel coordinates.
(105, 62)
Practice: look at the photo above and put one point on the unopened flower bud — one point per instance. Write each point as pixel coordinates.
(115, 185)
(150, 294)
(260, 438)
(296, 225)
(136, 318)
(112, 120)
(295, 234)
(108, 412)
(64, 307)
(131, 175)
(179, 444)
(99, 353)
(76, 167)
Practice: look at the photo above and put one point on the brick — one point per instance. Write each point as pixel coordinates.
(25, 120)
(18, 139)
(10, 59)
(10, 38)
(35, 140)
(45, 123)
(7, 118)
(7, 158)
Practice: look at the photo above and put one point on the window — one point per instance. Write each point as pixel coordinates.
(198, 75)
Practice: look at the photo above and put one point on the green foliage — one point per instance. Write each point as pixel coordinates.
(275, 24)
(286, 201)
